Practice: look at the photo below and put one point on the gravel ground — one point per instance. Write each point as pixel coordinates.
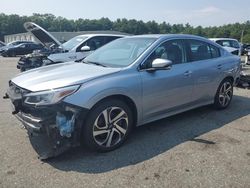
(199, 148)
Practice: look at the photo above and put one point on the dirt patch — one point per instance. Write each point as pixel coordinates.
(11, 172)
(156, 175)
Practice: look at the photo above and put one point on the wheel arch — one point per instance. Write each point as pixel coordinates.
(231, 78)
(227, 77)
(131, 104)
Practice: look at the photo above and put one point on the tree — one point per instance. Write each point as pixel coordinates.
(11, 24)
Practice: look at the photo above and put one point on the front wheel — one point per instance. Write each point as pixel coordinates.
(108, 125)
(224, 94)
(12, 54)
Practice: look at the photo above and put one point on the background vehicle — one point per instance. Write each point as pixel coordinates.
(11, 44)
(2, 44)
(21, 49)
(245, 48)
(231, 45)
(130, 81)
(75, 49)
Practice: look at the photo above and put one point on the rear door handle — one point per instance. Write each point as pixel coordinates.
(219, 66)
(187, 73)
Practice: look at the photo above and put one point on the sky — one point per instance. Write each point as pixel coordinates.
(194, 12)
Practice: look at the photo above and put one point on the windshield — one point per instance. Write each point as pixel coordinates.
(121, 52)
(74, 42)
(19, 45)
(14, 43)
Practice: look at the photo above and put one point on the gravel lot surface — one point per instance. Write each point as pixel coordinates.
(199, 148)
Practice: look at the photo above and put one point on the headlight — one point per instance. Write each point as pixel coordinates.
(49, 97)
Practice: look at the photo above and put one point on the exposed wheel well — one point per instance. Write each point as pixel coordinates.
(127, 100)
(229, 78)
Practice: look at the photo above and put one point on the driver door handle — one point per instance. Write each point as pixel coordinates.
(219, 66)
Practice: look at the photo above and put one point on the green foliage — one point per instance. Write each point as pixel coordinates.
(11, 24)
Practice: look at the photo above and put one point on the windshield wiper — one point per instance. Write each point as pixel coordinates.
(95, 63)
(80, 60)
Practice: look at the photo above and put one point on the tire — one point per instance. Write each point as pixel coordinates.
(4, 55)
(22, 69)
(106, 134)
(224, 94)
(12, 54)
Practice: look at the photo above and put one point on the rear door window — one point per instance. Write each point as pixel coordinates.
(199, 50)
(214, 51)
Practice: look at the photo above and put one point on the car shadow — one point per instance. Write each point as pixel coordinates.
(153, 139)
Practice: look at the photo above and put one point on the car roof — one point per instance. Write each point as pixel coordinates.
(169, 36)
(21, 41)
(99, 34)
(216, 39)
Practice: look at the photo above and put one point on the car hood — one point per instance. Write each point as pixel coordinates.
(42, 35)
(60, 75)
(3, 48)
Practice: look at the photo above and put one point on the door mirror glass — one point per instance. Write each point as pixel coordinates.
(85, 48)
(161, 63)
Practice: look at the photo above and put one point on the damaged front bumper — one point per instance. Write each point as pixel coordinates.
(30, 62)
(52, 129)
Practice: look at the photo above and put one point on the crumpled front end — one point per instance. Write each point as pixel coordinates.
(30, 62)
(52, 129)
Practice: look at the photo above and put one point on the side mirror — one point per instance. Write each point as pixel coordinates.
(85, 48)
(161, 64)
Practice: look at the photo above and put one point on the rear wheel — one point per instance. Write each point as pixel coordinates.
(108, 125)
(224, 94)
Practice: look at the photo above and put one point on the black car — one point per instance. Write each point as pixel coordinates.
(2, 44)
(21, 49)
(15, 43)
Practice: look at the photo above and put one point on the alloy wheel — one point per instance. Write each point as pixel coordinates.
(110, 127)
(225, 94)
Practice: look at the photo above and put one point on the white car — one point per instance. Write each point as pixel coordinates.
(75, 49)
(81, 46)
(231, 45)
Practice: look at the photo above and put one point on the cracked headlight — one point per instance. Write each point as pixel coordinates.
(49, 97)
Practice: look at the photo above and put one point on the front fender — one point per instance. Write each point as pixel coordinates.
(90, 93)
